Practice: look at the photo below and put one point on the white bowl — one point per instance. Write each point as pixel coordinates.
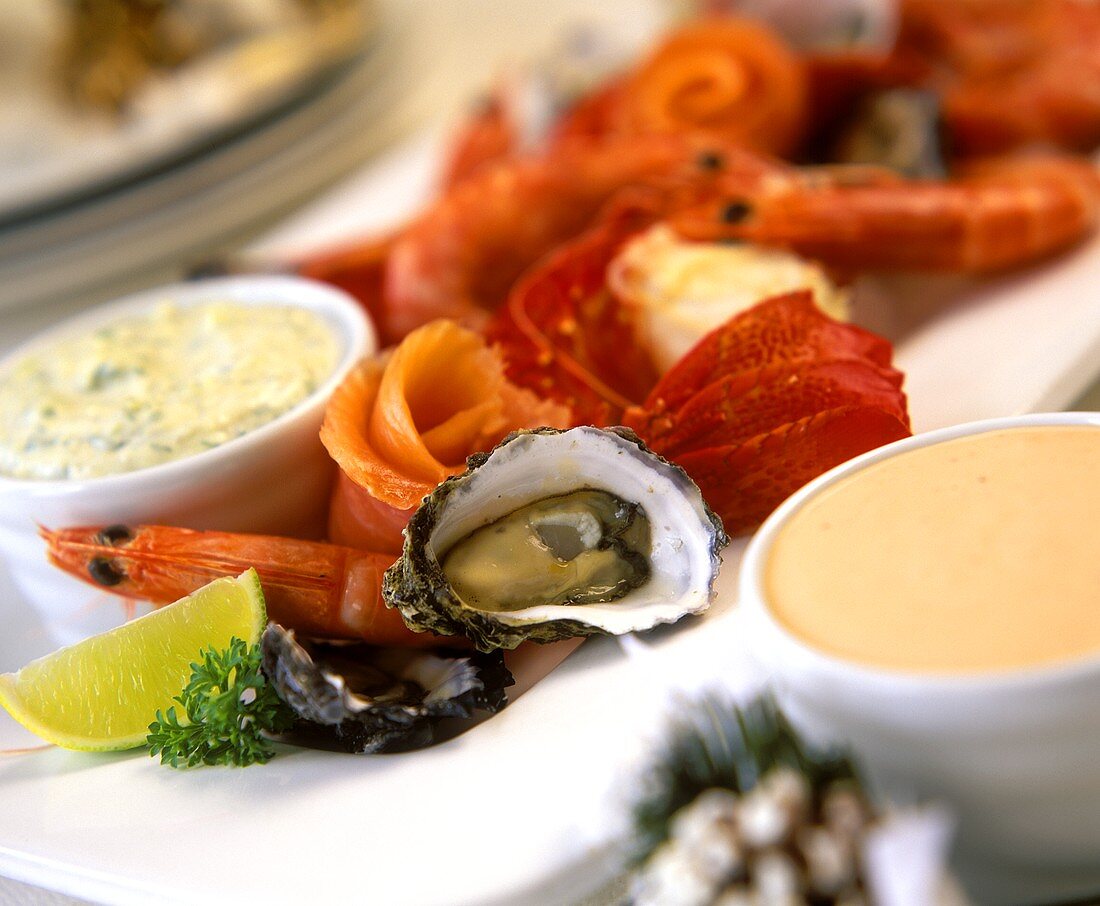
(1015, 753)
(275, 479)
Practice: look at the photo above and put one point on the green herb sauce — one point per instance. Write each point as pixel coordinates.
(157, 387)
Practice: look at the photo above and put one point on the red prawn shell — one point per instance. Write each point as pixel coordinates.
(358, 268)
(487, 134)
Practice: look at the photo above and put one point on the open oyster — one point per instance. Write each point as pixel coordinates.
(363, 698)
(556, 534)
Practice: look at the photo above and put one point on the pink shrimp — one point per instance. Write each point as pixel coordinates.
(314, 588)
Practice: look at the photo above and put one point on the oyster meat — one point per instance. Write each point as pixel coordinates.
(366, 699)
(556, 534)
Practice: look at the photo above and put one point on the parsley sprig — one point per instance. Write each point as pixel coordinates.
(228, 706)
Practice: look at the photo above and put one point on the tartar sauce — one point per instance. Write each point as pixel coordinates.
(156, 387)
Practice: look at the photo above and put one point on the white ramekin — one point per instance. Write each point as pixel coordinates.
(274, 479)
(1015, 753)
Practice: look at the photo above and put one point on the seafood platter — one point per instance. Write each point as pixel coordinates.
(385, 498)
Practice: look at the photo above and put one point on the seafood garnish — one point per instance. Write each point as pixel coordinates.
(557, 534)
(366, 699)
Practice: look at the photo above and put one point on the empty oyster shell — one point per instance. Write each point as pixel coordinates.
(556, 534)
(365, 699)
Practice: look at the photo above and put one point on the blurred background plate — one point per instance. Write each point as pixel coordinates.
(208, 191)
(87, 106)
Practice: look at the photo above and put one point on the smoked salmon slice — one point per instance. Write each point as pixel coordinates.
(398, 426)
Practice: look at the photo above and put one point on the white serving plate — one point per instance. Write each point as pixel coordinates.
(527, 806)
(152, 228)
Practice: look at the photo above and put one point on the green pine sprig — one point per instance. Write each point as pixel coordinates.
(229, 705)
(713, 743)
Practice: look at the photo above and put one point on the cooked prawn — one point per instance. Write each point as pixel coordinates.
(314, 588)
(462, 256)
(1001, 213)
(357, 268)
(1013, 73)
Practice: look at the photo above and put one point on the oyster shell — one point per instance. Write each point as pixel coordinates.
(365, 699)
(899, 128)
(556, 534)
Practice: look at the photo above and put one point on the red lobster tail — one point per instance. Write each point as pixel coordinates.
(737, 407)
(787, 328)
(744, 482)
(770, 400)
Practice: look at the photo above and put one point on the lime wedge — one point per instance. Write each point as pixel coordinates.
(102, 693)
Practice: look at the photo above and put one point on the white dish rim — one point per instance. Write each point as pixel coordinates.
(900, 682)
(343, 315)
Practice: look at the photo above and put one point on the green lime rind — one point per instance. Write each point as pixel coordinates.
(100, 694)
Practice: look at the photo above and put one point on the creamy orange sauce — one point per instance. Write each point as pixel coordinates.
(978, 554)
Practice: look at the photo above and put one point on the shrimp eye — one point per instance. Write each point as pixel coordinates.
(104, 571)
(735, 212)
(113, 534)
(710, 160)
